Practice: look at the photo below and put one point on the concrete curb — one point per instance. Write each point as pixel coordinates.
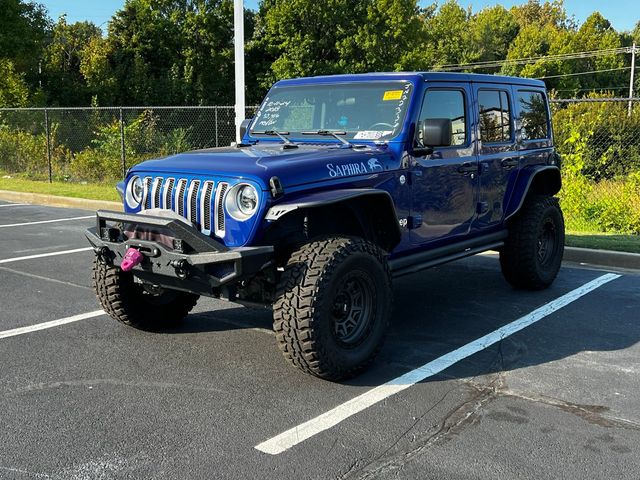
(56, 201)
(604, 258)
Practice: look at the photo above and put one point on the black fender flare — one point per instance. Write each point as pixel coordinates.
(543, 179)
(333, 197)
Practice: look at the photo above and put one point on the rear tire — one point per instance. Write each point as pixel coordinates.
(532, 252)
(138, 306)
(333, 305)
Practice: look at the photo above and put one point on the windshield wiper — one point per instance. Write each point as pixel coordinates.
(330, 133)
(281, 135)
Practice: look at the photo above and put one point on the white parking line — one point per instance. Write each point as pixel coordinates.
(47, 221)
(13, 205)
(53, 323)
(41, 255)
(302, 432)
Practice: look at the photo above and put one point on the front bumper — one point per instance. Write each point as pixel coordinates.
(176, 255)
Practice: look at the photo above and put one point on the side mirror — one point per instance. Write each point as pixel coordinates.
(433, 132)
(244, 126)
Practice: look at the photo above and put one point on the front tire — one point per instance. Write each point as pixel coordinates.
(532, 252)
(145, 308)
(333, 305)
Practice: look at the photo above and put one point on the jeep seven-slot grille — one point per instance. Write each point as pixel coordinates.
(168, 192)
(219, 226)
(201, 202)
(178, 205)
(147, 192)
(157, 190)
(205, 206)
(192, 206)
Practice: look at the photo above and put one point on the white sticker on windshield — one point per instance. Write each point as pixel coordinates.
(371, 134)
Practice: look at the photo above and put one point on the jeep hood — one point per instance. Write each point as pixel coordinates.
(295, 166)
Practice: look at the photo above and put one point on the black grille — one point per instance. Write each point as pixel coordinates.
(193, 201)
(158, 192)
(182, 184)
(220, 209)
(169, 194)
(206, 213)
(203, 205)
(147, 191)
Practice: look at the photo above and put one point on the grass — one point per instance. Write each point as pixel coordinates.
(604, 241)
(94, 191)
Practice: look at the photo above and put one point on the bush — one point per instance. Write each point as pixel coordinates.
(609, 206)
(22, 152)
(143, 141)
(610, 139)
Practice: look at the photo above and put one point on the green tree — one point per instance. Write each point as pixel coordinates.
(596, 33)
(635, 33)
(308, 37)
(98, 72)
(24, 29)
(168, 51)
(449, 37)
(386, 40)
(548, 13)
(493, 30)
(13, 89)
(65, 84)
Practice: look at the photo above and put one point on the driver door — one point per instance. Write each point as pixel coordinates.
(445, 183)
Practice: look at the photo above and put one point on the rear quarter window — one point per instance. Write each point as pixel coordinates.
(533, 115)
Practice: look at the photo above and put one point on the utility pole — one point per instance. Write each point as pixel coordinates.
(238, 40)
(633, 71)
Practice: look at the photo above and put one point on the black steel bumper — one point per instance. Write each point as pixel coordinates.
(184, 258)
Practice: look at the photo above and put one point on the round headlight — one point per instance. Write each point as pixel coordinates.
(135, 192)
(242, 201)
(247, 199)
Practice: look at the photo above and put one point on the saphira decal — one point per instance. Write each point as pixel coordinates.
(347, 169)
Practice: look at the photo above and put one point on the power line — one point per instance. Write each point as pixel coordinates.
(584, 73)
(527, 60)
(594, 100)
(599, 89)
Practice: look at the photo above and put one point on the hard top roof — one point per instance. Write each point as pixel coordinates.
(415, 76)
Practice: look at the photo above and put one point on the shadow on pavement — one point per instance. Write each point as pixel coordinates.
(444, 308)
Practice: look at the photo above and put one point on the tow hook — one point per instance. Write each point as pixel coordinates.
(182, 268)
(132, 258)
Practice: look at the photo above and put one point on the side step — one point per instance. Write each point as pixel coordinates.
(416, 262)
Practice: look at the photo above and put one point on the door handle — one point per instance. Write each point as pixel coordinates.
(509, 162)
(468, 167)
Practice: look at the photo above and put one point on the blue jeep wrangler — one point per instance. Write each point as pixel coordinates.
(341, 183)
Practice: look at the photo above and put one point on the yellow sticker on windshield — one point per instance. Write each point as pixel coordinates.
(392, 95)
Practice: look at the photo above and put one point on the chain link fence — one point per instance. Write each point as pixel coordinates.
(598, 138)
(99, 144)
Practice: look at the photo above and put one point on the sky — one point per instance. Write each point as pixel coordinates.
(623, 14)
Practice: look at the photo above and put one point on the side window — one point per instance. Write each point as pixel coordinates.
(450, 104)
(495, 116)
(534, 117)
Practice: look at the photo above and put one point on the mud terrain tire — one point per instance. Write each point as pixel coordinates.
(532, 252)
(333, 304)
(130, 303)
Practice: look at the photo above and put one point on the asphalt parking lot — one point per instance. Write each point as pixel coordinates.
(89, 398)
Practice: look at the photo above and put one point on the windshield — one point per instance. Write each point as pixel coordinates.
(363, 111)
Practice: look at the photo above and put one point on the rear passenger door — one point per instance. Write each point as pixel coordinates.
(498, 151)
(534, 126)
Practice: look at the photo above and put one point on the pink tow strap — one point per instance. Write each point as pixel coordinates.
(132, 258)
